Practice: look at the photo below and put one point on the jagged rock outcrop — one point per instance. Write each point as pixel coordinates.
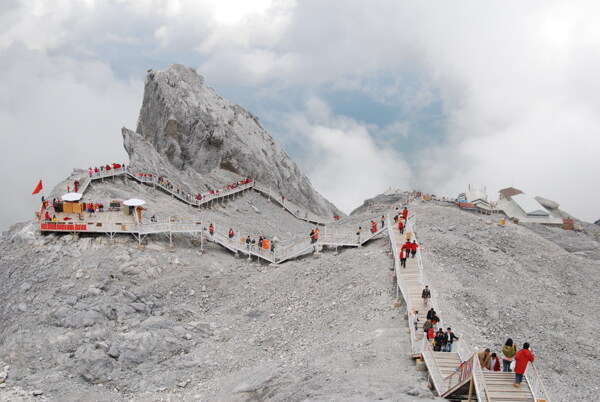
(547, 203)
(194, 129)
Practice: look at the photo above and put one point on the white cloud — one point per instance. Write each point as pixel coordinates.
(344, 163)
(57, 114)
(518, 83)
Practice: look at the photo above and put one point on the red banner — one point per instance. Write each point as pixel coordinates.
(38, 188)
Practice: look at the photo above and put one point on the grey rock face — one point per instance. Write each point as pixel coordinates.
(193, 129)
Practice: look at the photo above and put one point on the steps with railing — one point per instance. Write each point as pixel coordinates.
(454, 374)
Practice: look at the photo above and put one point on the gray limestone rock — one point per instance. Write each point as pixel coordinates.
(186, 129)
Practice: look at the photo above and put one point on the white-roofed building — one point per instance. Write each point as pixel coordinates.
(525, 208)
(478, 198)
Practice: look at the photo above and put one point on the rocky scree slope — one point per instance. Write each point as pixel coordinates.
(538, 285)
(93, 319)
(194, 129)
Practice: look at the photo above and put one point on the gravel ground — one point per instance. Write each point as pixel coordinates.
(532, 284)
(91, 318)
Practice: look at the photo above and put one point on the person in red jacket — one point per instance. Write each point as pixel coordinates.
(373, 227)
(403, 256)
(431, 334)
(522, 357)
(401, 226)
(405, 213)
(413, 249)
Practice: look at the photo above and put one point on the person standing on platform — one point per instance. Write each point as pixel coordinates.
(231, 233)
(450, 339)
(484, 359)
(382, 221)
(522, 358)
(211, 229)
(509, 350)
(405, 214)
(358, 232)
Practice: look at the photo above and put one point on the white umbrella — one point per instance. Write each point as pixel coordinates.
(134, 202)
(71, 196)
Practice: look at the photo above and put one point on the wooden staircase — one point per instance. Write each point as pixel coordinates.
(499, 387)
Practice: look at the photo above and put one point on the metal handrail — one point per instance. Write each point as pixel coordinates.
(434, 370)
(464, 371)
(478, 381)
(536, 385)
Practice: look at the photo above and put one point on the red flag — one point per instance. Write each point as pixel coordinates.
(38, 188)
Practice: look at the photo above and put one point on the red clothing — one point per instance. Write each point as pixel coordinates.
(407, 247)
(523, 357)
(414, 246)
(400, 225)
(373, 227)
(403, 253)
(405, 213)
(430, 333)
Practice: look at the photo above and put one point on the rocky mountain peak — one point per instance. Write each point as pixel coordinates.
(193, 129)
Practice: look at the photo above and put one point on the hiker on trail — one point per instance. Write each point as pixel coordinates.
(297, 213)
(211, 229)
(230, 234)
(358, 232)
(494, 362)
(373, 227)
(260, 242)
(403, 256)
(68, 189)
(432, 315)
(314, 238)
(405, 214)
(414, 319)
(248, 242)
(252, 244)
(427, 326)
(439, 341)
(508, 351)
(396, 218)
(401, 226)
(450, 338)
(413, 249)
(407, 247)
(382, 221)
(282, 199)
(431, 334)
(426, 295)
(522, 357)
(484, 359)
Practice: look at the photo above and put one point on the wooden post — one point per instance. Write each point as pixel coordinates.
(471, 386)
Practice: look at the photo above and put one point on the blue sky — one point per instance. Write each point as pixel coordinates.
(363, 95)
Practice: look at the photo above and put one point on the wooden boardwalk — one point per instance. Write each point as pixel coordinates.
(114, 222)
(456, 374)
